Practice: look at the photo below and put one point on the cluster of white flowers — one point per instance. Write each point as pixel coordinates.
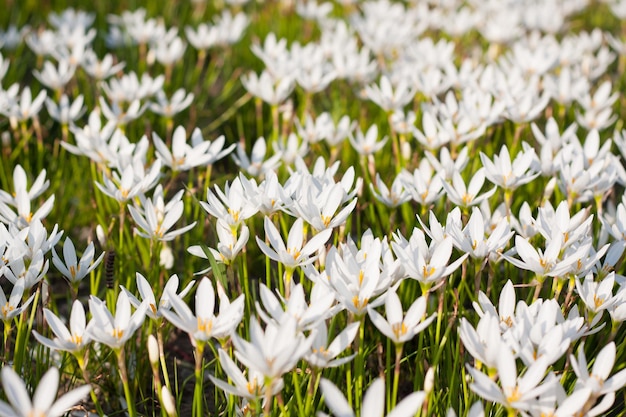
(441, 115)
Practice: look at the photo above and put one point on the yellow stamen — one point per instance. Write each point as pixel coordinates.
(6, 309)
(205, 325)
(117, 333)
(514, 395)
(399, 329)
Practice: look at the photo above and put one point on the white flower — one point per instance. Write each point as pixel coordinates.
(373, 403)
(250, 387)
(154, 310)
(397, 328)
(114, 331)
(515, 392)
(205, 325)
(506, 174)
(155, 217)
(598, 380)
(11, 308)
(71, 268)
(43, 403)
(256, 164)
(323, 354)
(274, 351)
(368, 143)
(73, 340)
(179, 101)
(294, 254)
(464, 196)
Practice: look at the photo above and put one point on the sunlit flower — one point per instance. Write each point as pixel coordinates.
(42, 404)
(396, 327)
(74, 339)
(114, 331)
(72, 268)
(373, 401)
(204, 325)
(294, 254)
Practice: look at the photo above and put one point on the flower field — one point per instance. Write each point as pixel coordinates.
(302, 208)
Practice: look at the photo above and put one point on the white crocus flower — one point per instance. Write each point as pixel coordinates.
(427, 264)
(597, 296)
(391, 197)
(385, 96)
(598, 380)
(472, 239)
(396, 327)
(268, 88)
(72, 268)
(231, 242)
(114, 331)
(510, 175)
(368, 143)
(64, 112)
(294, 254)
(273, 351)
(466, 196)
(205, 325)
(543, 263)
(515, 392)
(251, 386)
(307, 315)
(155, 218)
(133, 181)
(168, 108)
(256, 165)
(42, 404)
(11, 308)
(355, 275)
(322, 354)
(183, 156)
(53, 77)
(319, 209)
(74, 339)
(483, 343)
(22, 198)
(155, 310)
(373, 403)
(232, 206)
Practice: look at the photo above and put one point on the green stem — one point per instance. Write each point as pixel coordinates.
(166, 376)
(296, 389)
(198, 400)
(359, 367)
(83, 367)
(121, 363)
(396, 375)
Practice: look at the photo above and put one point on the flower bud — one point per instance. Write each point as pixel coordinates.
(429, 380)
(102, 238)
(153, 350)
(168, 401)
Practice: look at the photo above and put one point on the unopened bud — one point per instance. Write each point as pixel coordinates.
(429, 380)
(166, 257)
(101, 236)
(549, 189)
(153, 350)
(168, 401)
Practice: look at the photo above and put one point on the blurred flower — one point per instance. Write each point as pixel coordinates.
(73, 340)
(205, 325)
(397, 328)
(73, 269)
(373, 402)
(114, 331)
(43, 403)
(155, 218)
